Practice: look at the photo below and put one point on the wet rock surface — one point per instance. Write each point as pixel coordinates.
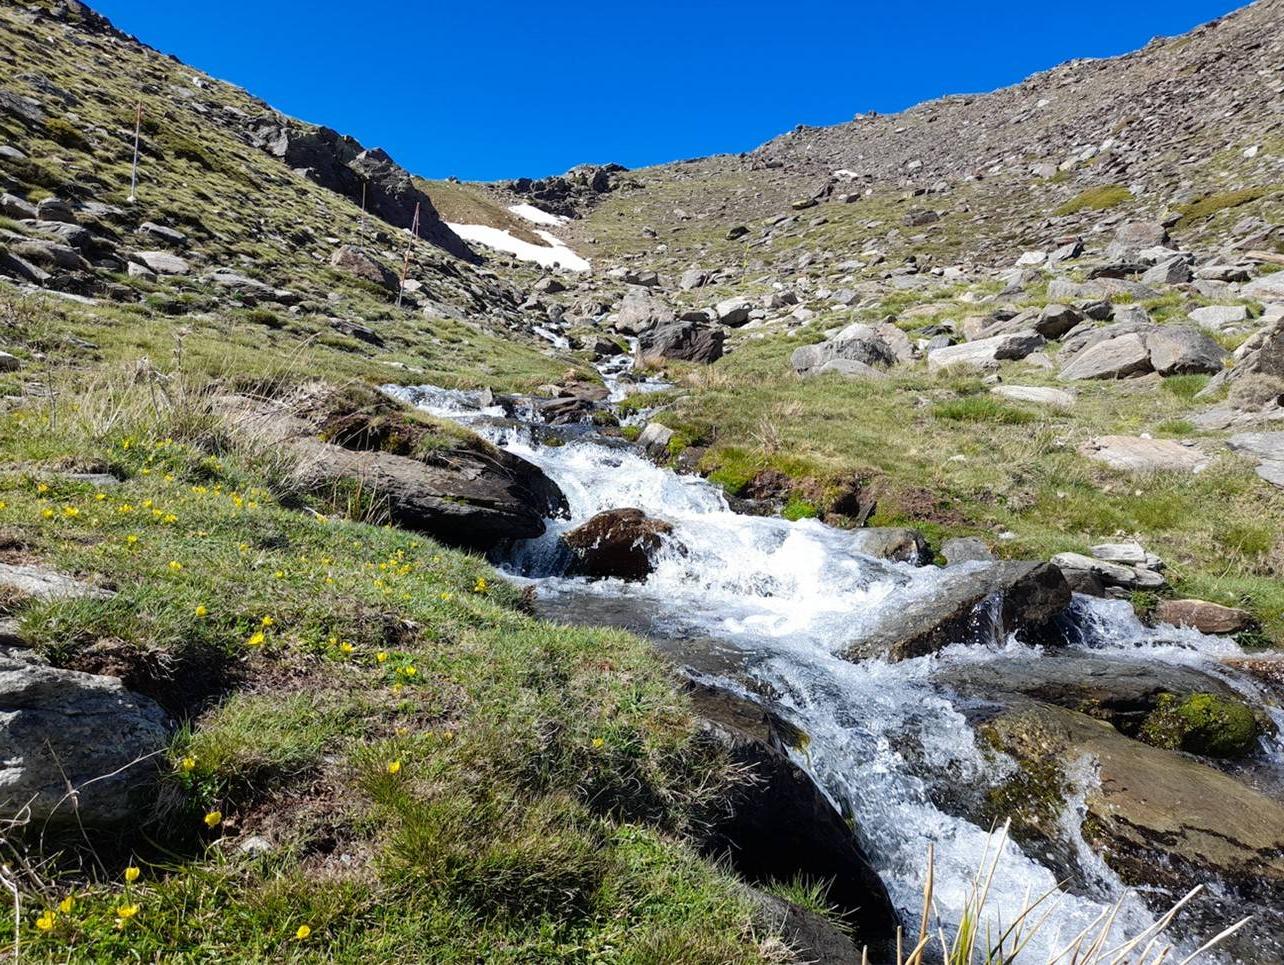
(618, 543)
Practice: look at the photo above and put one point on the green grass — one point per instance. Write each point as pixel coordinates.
(1211, 204)
(549, 780)
(1101, 198)
(982, 408)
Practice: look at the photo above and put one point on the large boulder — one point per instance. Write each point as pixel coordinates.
(360, 263)
(686, 341)
(897, 543)
(1116, 358)
(1156, 816)
(733, 311)
(779, 825)
(874, 346)
(640, 310)
(1182, 349)
(1134, 236)
(163, 262)
(1267, 448)
(1028, 597)
(77, 748)
(985, 353)
(617, 543)
(1202, 615)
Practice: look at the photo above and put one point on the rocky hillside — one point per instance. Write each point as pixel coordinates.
(264, 698)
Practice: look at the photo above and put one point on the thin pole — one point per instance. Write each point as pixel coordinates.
(133, 176)
(405, 264)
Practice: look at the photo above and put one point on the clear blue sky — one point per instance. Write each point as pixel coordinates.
(485, 90)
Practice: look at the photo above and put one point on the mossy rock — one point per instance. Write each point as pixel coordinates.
(1202, 724)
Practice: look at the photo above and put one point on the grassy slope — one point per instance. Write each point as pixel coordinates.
(547, 780)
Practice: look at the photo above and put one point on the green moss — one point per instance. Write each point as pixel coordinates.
(1201, 724)
(799, 508)
(1209, 205)
(631, 433)
(1095, 199)
(1033, 796)
(65, 134)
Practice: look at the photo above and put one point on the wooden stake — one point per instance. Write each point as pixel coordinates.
(133, 175)
(405, 264)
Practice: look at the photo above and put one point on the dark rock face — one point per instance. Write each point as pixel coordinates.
(565, 194)
(817, 940)
(1026, 596)
(782, 825)
(686, 341)
(618, 543)
(357, 261)
(341, 164)
(61, 727)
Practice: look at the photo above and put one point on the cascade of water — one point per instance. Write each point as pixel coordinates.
(790, 595)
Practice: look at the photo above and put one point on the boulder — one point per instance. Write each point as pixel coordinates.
(50, 256)
(857, 343)
(1139, 454)
(1267, 448)
(1133, 236)
(1156, 816)
(14, 207)
(37, 582)
(1107, 572)
(9, 363)
(11, 264)
(965, 549)
(850, 369)
(1055, 320)
(1267, 288)
(733, 311)
(163, 262)
(686, 341)
(1172, 271)
(1029, 596)
(1215, 316)
(617, 543)
(250, 289)
(779, 825)
(55, 209)
(161, 233)
(1202, 615)
(360, 263)
(1181, 350)
(693, 278)
(985, 353)
(810, 936)
(1115, 358)
(640, 310)
(897, 543)
(77, 749)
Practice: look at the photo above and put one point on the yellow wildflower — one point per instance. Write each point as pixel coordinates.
(99, 497)
(124, 508)
(42, 487)
(46, 921)
(213, 819)
(67, 904)
(267, 621)
(481, 585)
(147, 504)
(257, 639)
(346, 647)
(71, 512)
(3, 504)
(381, 656)
(47, 513)
(132, 873)
(202, 610)
(175, 565)
(187, 764)
(394, 767)
(127, 911)
(169, 518)
(598, 743)
(302, 932)
(278, 575)
(131, 539)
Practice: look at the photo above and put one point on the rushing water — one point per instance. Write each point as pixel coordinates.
(781, 598)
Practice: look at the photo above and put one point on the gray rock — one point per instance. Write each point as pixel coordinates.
(77, 749)
(14, 207)
(849, 369)
(360, 263)
(855, 343)
(683, 340)
(1180, 349)
(163, 263)
(1267, 288)
(1039, 395)
(33, 581)
(1029, 596)
(1227, 273)
(50, 255)
(1134, 236)
(640, 310)
(1173, 271)
(1110, 574)
(965, 549)
(616, 544)
(1215, 316)
(168, 235)
(985, 353)
(655, 437)
(693, 278)
(9, 363)
(1138, 454)
(897, 543)
(250, 289)
(1056, 320)
(11, 264)
(55, 209)
(733, 311)
(1115, 358)
(1267, 448)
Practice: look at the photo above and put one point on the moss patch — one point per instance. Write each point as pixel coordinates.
(1095, 199)
(1201, 724)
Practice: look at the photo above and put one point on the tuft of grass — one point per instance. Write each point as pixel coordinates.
(1100, 198)
(982, 408)
(1211, 204)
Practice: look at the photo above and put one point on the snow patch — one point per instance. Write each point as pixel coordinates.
(536, 215)
(556, 255)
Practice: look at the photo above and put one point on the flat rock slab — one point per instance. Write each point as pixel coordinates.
(1267, 448)
(1138, 454)
(37, 582)
(1116, 358)
(1058, 398)
(985, 353)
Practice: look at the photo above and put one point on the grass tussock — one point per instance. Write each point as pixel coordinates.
(1101, 198)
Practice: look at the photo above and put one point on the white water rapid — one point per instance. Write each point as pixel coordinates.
(888, 743)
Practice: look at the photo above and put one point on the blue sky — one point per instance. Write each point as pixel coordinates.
(486, 90)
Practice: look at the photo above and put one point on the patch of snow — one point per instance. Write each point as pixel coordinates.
(556, 255)
(535, 215)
